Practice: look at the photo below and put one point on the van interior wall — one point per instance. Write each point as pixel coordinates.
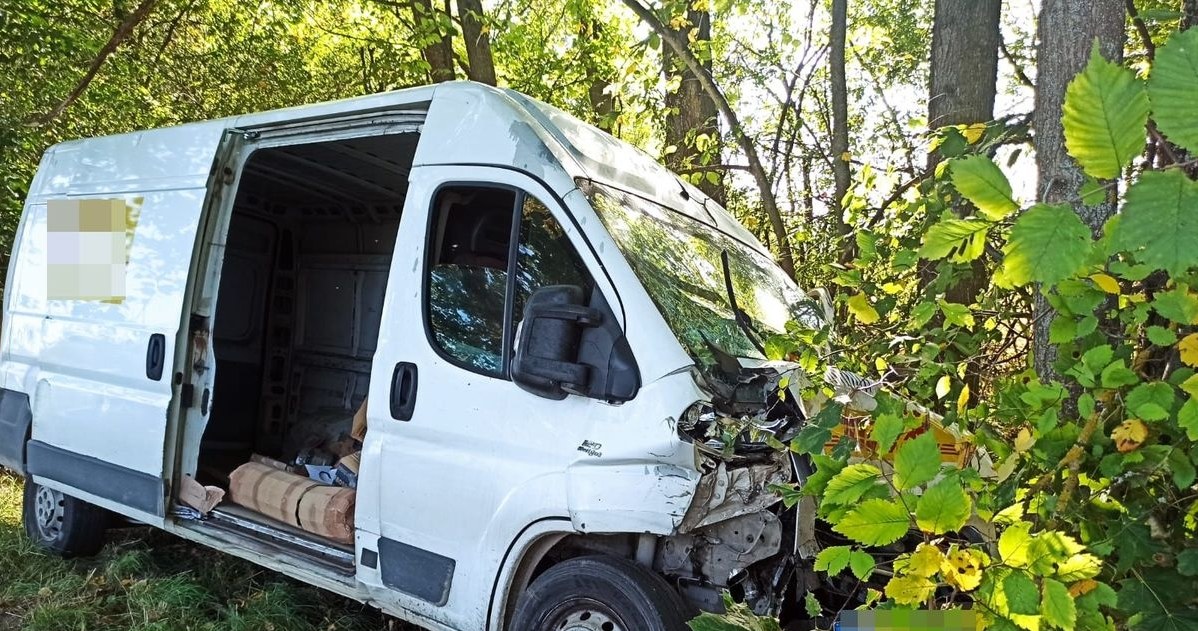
(301, 295)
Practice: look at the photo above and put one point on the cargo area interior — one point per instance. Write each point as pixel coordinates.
(297, 318)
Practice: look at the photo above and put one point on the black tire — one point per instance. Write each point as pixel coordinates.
(61, 524)
(600, 593)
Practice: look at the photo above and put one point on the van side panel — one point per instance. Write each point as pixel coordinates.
(99, 417)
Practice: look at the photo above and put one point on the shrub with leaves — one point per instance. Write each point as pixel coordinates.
(1089, 520)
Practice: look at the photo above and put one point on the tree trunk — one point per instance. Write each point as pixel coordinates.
(1068, 29)
(963, 81)
(689, 110)
(840, 125)
(679, 47)
(478, 42)
(964, 69)
(603, 103)
(438, 51)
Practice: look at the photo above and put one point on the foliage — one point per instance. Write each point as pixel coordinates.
(1093, 496)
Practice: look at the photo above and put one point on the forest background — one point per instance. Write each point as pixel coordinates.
(872, 146)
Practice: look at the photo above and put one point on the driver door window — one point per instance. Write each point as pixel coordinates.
(477, 283)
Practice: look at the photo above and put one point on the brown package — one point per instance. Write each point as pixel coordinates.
(352, 462)
(359, 428)
(267, 490)
(200, 497)
(328, 511)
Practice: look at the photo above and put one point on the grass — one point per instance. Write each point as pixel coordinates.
(148, 580)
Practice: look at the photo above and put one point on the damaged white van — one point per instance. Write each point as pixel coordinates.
(537, 324)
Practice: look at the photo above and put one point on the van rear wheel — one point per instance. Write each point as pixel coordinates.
(600, 594)
(61, 524)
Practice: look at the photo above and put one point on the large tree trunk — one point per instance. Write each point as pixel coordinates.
(438, 51)
(689, 110)
(678, 46)
(478, 42)
(1068, 29)
(963, 81)
(840, 124)
(964, 69)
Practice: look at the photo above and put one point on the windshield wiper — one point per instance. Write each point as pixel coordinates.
(742, 318)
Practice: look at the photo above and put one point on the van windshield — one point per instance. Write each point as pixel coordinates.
(680, 262)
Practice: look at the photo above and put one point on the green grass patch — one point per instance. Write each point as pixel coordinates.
(148, 580)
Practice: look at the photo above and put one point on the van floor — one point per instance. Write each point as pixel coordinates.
(282, 537)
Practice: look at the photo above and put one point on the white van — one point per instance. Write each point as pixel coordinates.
(546, 325)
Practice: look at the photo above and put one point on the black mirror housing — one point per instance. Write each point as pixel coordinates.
(566, 346)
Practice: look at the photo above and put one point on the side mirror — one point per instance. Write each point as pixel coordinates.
(570, 343)
(546, 360)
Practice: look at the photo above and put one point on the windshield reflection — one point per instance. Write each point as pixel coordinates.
(679, 261)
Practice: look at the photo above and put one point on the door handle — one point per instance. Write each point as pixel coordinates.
(403, 391)
(155, 356)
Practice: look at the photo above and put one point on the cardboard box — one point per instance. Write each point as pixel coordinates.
(267, 490)
(200, 497)
(359, 428)
(347, 470)
(325, 511)
(328, 511)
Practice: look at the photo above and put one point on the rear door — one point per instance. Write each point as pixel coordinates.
(115, 230)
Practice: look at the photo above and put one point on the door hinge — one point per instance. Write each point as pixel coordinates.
(187, 395)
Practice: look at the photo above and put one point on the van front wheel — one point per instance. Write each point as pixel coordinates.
(600, 594)
(62, 524)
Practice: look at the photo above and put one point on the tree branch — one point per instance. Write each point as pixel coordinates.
(121, 33)
(1141, 28)
(679, 46)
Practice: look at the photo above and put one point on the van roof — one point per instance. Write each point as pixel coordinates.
(581, 149)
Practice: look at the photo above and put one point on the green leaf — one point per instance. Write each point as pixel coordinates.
(833, 560)
(1059, 609)
(1151, 401)
(1118, 375)
(875, 522)
(917, 462)
(1161, 336)
(922, 313)
(1159, 223)
(1106, 110)
(1023, 597)
(1047, 244)
(862, 564)
(980, 181)
(1182, 469)
(859, 306)
(1177, 304)
(851, 483)
(943, 508)
(1187, 419)
(956, 314)
(961, 239)
(887, 428)
(1187, 562)
(1173, 89)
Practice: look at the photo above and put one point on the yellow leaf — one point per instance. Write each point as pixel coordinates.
(963, 568)
(859, 306)
(846, 157)
(881, 364)
(1106, 283)
(943, 386)
(974, 132)
(1024, 440)
(1189, 350)
(1083, 587)
(1129, 435)
(925, 561)
(963, 400)
(910, 590)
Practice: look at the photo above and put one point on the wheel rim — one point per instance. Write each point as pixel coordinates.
(48, 510)
(584, 615)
